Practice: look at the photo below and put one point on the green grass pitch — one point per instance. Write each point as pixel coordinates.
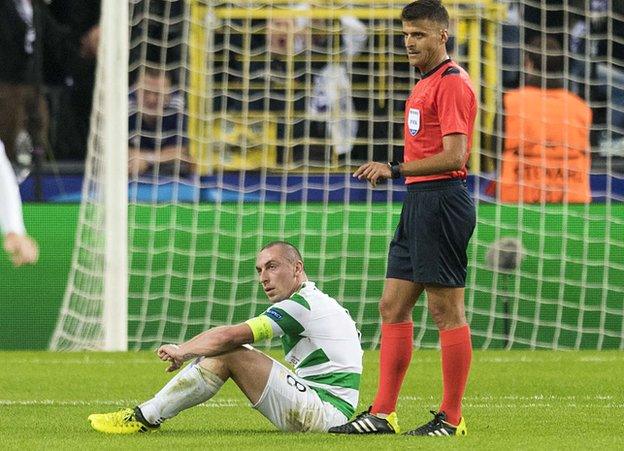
(515, 400)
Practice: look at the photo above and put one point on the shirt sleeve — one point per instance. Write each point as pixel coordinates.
(288, 318)
(11, 206)
(455, 102)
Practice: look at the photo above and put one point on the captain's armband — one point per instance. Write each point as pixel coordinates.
(260, 327)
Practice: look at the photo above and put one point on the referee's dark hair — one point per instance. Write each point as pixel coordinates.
(432, 10)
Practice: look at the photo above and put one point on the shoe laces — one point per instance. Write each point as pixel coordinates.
(363, 414)
(123, 416)
(435, 424)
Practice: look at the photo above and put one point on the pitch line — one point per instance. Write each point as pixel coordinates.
(90, 360)
(86, 361)
(475, 402)
(106, 402)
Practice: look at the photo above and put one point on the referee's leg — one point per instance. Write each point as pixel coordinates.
(446, 306)
(397, 334)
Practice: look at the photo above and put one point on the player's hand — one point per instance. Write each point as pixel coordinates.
(22, 249)
(171, 354)
(373, 172)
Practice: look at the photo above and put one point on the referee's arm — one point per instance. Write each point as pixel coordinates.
(452, 158)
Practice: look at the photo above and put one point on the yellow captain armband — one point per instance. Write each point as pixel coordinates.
(260, 327)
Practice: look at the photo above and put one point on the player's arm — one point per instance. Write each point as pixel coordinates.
(452, 158)
(210, 343)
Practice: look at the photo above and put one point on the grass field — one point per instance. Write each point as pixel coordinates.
(515, 400)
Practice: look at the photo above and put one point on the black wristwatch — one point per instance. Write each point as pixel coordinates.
(395, 169)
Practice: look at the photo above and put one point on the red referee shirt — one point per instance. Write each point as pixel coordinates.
(441, 103)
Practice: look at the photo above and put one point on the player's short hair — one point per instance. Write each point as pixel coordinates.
(290, 251)
(432, 10)
(546, 56)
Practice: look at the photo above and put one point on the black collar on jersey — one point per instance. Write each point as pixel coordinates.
(435, 68)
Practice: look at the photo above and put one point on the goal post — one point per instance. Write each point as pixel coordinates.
(94, 314)
(114, 57)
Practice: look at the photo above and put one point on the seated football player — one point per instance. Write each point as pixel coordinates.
(319, 338)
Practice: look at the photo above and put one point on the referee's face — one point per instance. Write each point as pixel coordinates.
(279, 276)
(425, 42)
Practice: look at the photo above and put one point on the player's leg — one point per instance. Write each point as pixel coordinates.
(248, 368)
(187, 388)
(196, 383)
(276, 392)
(287, 400)
(203, 378)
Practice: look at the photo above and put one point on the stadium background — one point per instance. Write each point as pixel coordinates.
(566, 293)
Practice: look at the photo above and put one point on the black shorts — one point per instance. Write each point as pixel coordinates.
(430, 242)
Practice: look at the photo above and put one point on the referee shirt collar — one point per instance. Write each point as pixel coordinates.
(432, 71)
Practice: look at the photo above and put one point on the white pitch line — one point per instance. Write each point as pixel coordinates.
(531, 359)
(105, 402)
(86, 361)
(538, 397)
(220, 405)
(474, 402)
(90, 360)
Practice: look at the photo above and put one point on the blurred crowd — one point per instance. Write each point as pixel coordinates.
(48, 52)
(591, 34)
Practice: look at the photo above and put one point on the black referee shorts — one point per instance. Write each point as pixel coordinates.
(430, 242)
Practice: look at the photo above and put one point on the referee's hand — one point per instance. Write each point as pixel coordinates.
(373, 172)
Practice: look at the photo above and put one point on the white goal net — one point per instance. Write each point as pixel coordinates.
(245, 121)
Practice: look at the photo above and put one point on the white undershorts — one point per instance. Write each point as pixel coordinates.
(291, 405)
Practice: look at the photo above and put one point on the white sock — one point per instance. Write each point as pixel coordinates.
(191, 386)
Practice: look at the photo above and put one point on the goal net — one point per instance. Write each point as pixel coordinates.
(245, 121)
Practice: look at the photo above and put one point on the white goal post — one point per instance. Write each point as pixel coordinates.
(101, 271)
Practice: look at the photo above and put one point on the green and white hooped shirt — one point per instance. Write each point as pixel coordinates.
(322, 342)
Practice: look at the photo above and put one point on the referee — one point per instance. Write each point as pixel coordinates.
(428, 250)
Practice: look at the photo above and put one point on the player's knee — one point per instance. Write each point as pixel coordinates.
(215, 365)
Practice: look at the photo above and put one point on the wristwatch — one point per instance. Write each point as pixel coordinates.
(395, 169)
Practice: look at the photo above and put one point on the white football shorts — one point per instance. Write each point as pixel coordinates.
(292, 406)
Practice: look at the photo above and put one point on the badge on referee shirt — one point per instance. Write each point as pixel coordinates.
(413, 121)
